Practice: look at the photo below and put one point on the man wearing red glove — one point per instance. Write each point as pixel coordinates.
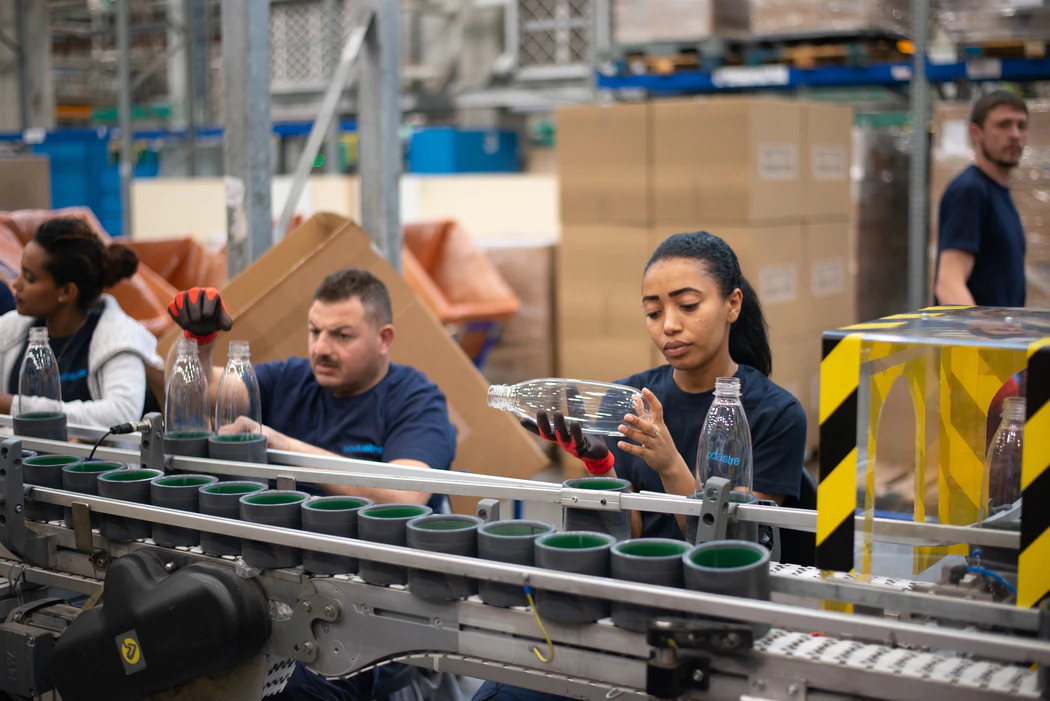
(346, 399)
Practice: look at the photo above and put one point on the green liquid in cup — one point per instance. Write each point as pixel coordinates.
(236, 437)
(95, 467)
(515, 530)
(177, 481)
(131, 475)
(187, 435)
(40, 415)
(234, 488)
(598, 484)
(726, 558)
(336, 504)
(649, 549)
(396, 512)
(275, 499)
(575, 541)
(51, 460)
(444, 525)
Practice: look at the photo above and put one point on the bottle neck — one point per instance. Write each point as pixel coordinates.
(187, 348)
(499, 397)
(727, 388)
(1014, 409)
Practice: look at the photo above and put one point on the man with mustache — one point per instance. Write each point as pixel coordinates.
(981, 241)
(346, 399)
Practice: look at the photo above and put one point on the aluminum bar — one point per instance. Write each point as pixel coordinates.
(993, 646)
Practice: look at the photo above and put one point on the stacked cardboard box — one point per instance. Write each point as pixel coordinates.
(787, 16)
(649, 21)
(1030, 185)
(990, 20)
(769, 176)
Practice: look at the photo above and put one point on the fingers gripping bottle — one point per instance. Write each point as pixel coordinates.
(725, 441)
(39, 413)
(238, 411)
(597, 407)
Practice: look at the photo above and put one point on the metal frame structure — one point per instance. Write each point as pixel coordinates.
(360, 626)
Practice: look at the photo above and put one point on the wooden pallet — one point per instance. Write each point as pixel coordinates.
(1005, 48)
(829, 54)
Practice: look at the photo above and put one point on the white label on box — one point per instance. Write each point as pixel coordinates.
(777, 161)
(778, 284)
(829, 162)
(828, 277)
(750, 76)
(984, 69)
(900, 73)
(955, 138)
(1026, 4)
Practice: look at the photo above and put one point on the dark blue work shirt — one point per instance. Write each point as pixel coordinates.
(404, 417)
(978, 216)
(778, 437)
(7, 300)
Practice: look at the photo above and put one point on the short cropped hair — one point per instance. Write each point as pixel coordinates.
(353, 282)
(989, 102)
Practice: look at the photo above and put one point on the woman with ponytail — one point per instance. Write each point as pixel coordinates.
(707, 321)
(102, 353)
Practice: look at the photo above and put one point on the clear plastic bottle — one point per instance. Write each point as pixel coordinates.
(1001, 487)
(725, 441)
(186, 411)
(39, 383)
(237, 396)
(598, 407)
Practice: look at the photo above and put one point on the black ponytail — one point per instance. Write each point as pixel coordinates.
(748, 336)
(77, 254)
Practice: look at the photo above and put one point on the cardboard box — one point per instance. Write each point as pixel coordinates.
(269, 302)
(827, 133)
(605, 359)
(828, 288)
(796, 368)
(726, 161)
(646, 21)
(603, 165)
(25, 183)
(599, 277)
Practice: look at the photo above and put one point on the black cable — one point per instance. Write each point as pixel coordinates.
(105, 435)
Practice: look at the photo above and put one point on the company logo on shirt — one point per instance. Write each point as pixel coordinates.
(74, 376)
(366, 448)
(720, 457)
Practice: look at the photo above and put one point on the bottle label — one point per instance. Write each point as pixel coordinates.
(723, 458)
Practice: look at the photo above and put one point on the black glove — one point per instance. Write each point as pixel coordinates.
(201, 312)
(570, 436)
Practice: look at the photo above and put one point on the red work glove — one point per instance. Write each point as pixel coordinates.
(570, 436)
(201, 313)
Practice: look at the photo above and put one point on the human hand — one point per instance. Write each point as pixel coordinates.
(201, 313)
(570, 436)
(655, 444)
(275, 440)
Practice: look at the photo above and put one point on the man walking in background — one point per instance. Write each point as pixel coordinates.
(981, 243)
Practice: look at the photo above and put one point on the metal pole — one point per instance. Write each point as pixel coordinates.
(333, 24)
(205, 58)
(189, 38)
(124, 64)
(247, 139)
(379, 121)
(325, 117)
(918, 182)
(22, 22)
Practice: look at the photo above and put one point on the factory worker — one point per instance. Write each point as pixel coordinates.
(706, 319)
(346, 399)
(102, 352)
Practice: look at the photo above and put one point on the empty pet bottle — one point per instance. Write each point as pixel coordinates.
(238, 410)
(39, 413)
(725, 441)
(597, 407)
(187, 420)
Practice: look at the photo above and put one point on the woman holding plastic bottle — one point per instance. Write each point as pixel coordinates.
(102, 353)
(706, 319)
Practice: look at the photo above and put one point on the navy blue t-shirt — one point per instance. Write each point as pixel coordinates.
(404, 417)
(978, 216)
(7, 300)
(778, 437)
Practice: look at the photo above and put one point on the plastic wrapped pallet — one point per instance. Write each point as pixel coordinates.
(1029, 187)
(984, 20)
(880, 181)
(655, 21)
(797, 16)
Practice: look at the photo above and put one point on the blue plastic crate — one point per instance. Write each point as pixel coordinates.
(444, 150)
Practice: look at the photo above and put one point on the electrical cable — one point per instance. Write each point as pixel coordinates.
(105, 435)
(996, 576)
(536, 615)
